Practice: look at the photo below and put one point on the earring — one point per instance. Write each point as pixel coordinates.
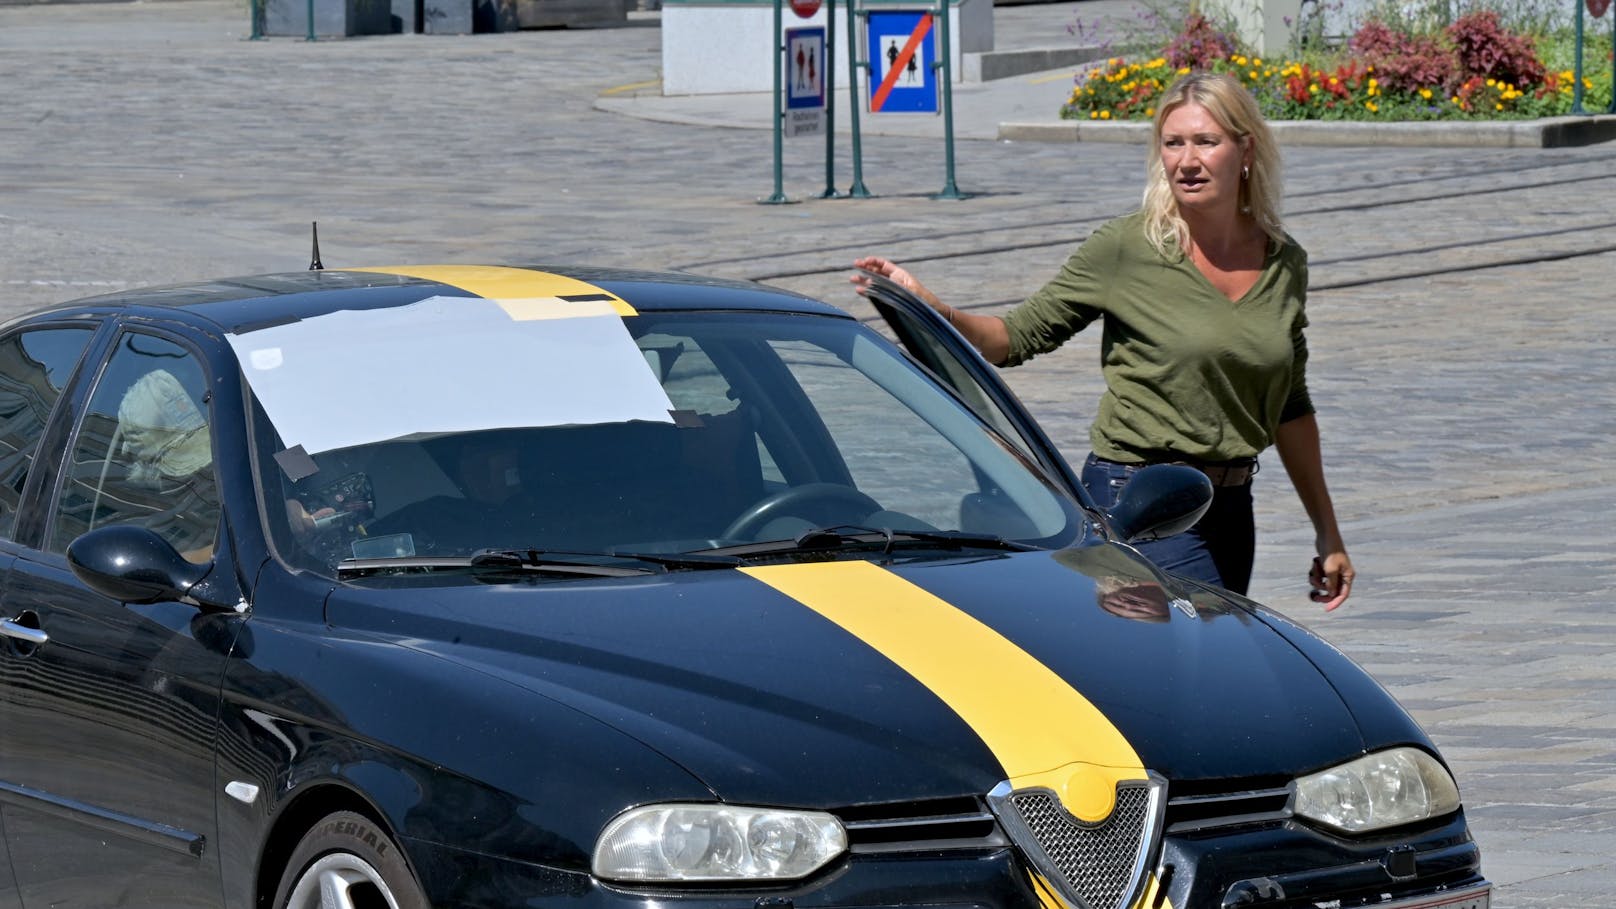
(1245, 172)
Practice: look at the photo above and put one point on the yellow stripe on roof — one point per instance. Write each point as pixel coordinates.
(1040, 728)
(496, 282)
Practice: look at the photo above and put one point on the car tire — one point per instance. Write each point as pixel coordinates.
(348, 856)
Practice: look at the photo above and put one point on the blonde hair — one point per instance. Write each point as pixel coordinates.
(1228, 102)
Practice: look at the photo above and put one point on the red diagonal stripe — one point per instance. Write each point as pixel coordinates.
(902, 63)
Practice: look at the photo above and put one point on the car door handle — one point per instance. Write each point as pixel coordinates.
(9, 628)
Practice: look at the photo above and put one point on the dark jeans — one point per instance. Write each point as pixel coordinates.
(1219, 549)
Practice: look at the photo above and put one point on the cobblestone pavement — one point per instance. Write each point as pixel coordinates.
(1464, 318)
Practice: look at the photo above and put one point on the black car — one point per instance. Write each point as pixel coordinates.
(497, 587)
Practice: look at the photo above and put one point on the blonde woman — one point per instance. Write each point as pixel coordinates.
(1202, 298)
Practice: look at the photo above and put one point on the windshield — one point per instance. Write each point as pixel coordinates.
(652, 433)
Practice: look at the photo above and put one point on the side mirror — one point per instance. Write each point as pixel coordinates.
(1159, 501)
(132, 565)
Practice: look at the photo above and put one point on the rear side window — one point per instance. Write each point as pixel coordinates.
(35, 365)
(143, 453)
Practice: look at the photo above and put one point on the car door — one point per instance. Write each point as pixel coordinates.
(931, 341)
(108, 714)
(37, 363)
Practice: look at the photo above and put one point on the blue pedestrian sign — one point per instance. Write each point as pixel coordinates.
(903, 54)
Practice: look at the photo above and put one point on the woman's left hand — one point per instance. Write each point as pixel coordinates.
(1331, 577)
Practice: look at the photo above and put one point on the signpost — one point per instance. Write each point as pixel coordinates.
(909, 61)
(1596, 9)
(908, 67)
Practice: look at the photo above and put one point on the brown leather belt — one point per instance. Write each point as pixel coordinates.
(1234, 473)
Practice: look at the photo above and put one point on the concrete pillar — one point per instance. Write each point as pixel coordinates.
(1267, 26)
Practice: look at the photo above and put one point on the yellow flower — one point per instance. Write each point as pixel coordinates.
(1313, 89)
(1184, 71)
(1150, 112)
(1105, 115)
(1491, 83)
(1425, 93)
(1254, 75)
(1499, 106)
(1257, 62)
(1455, 100)
(1094, 115)
(1373, 107)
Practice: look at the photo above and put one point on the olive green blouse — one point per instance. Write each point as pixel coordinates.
(1189, 373)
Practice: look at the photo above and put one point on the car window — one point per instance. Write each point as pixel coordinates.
(920, 477)
(772, 423)
(695, 385)
(143, 451)
(34, 367)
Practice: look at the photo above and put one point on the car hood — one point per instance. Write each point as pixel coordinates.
(812, 684)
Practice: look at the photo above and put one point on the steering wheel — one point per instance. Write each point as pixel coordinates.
(813, 498)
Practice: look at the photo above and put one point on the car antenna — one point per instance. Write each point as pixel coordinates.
(315, 265)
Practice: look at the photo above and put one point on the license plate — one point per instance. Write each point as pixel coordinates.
(1469, 898)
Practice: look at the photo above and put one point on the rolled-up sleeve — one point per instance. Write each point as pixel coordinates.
(1067, 304)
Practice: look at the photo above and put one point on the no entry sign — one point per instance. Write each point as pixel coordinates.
(805, 8)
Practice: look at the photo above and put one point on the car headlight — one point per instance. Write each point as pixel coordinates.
(716, 843)
(1380, 790)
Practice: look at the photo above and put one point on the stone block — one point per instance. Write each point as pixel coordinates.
(559, 13)
(332, 18)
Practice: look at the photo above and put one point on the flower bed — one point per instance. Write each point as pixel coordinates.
(1474, 69)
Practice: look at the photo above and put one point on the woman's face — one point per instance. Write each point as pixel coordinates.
(1202, 161)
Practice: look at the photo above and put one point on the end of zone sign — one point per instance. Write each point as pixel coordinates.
(903, 51)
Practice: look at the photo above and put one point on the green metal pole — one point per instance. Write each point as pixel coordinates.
(830, 102)
(255, 8)
(779, 197)
(1612, 109)
(1576, 88)
(311, 20)
(950, 191)
(858, 190)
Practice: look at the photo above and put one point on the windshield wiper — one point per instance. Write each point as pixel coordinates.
(852, 537)
(488, 562)
(555, 562)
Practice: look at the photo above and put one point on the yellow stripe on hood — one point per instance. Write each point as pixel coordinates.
(499, 283)
(1041, 729)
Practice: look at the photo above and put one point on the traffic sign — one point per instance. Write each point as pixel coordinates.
(805, 8)
(903, 54)
(804, 80)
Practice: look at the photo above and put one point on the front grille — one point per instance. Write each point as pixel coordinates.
(1095, 866)
(939, 824)
(1191, 814)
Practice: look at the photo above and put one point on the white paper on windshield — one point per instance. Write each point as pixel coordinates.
(448, 364)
